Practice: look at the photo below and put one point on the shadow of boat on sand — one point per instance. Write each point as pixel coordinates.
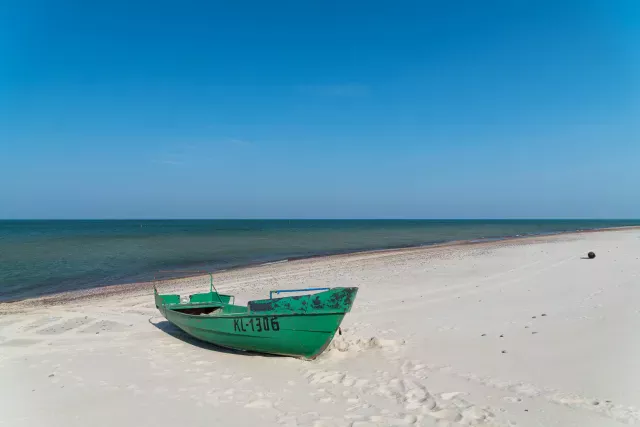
(172, 330)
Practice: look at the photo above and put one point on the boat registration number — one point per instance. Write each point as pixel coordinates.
(256, 324)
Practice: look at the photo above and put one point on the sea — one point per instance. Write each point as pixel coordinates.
(44, 257)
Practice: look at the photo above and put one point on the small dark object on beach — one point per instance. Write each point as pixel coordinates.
(543, 314)
(483, 335)
(591, 255)
(501, 336)
(504, 351)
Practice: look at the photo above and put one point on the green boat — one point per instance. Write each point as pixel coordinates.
(300, 326)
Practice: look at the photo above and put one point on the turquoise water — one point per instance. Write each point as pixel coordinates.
(42, 257)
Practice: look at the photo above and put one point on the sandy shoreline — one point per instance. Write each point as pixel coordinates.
(513, 332)
(89, 293)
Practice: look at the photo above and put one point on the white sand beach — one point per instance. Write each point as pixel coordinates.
(512, 333)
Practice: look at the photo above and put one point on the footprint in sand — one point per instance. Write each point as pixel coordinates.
(66, 326)
(411, 398)
(625, 414)
(42, 321)
(103, 326)
(259, 404)
(19, 342)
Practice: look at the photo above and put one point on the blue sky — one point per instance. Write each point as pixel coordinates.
(362, 109)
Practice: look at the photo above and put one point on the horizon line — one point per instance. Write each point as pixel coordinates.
(330, 219)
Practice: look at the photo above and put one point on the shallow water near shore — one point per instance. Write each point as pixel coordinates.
(43, 257)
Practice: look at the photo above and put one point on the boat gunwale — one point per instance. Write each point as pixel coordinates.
(251, 313)
(176, 307)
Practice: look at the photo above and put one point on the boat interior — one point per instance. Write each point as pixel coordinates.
(196, 311)
(216, 310)
(208, 303)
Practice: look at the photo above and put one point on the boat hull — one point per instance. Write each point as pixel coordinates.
(301, 326)
(300, 335)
